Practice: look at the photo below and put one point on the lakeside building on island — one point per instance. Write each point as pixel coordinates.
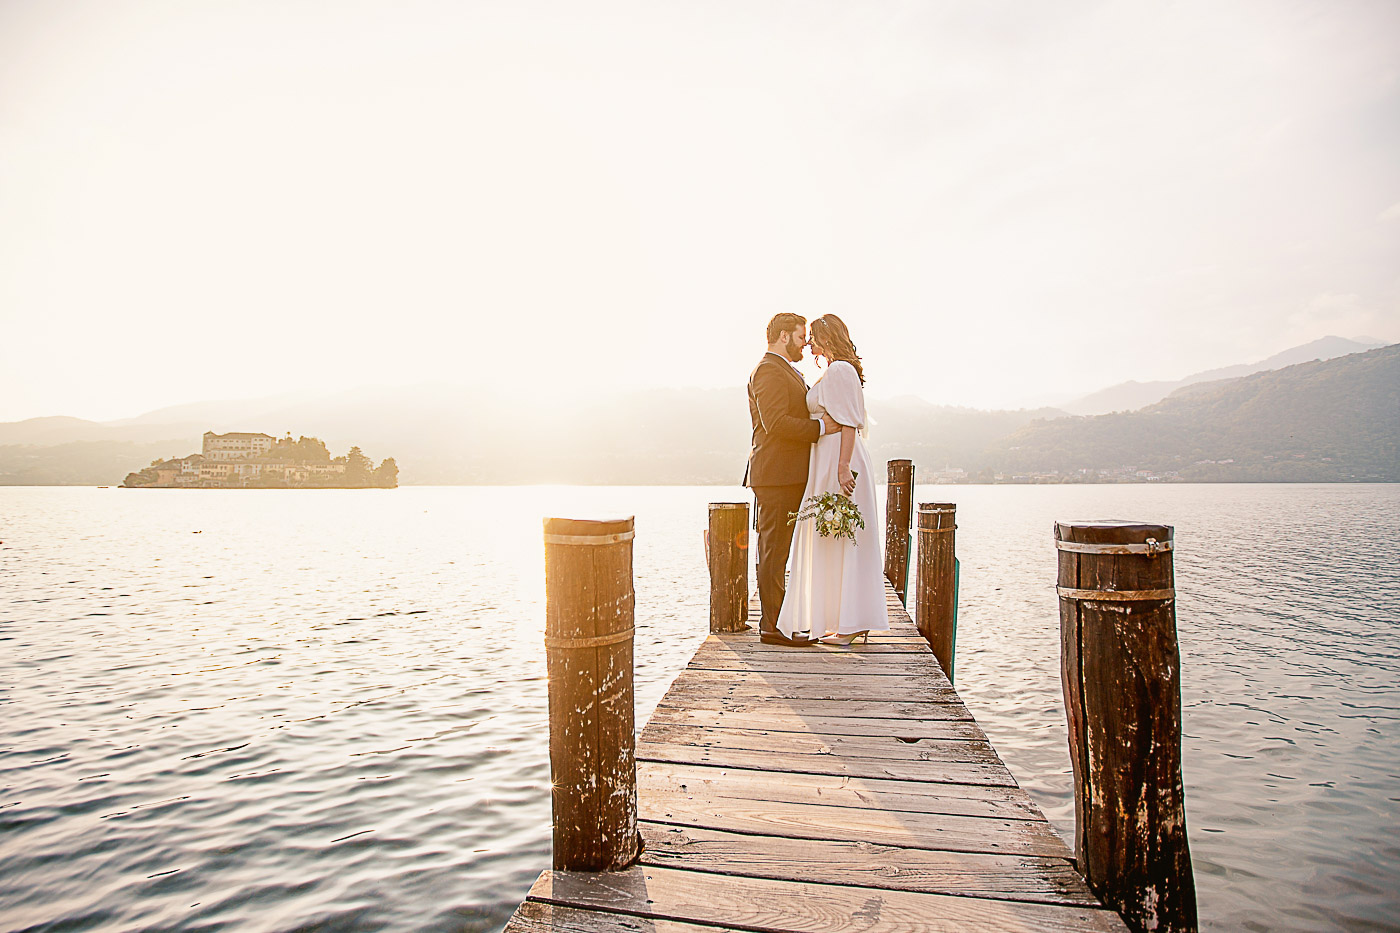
(236, 445)
(240, 460)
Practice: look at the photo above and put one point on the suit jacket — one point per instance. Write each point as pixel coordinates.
(783, 429)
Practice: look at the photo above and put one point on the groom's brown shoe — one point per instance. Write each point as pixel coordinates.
(778, 638)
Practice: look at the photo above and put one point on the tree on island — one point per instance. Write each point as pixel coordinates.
(386, 476)
(358, 468)
(302, 450)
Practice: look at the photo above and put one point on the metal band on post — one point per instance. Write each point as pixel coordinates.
(588, 541)
(1116, 596)
(597, 641)
(1151, 547)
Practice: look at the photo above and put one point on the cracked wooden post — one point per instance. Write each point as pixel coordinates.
(1121, 674)
(936, 596)
(589, 614)
(899, 499)
(728, 553)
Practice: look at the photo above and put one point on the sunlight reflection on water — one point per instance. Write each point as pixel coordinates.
(286, 709)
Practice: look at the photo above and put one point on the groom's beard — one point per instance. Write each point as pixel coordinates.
(794, 353)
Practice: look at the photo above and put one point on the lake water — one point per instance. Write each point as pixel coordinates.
(292, 710)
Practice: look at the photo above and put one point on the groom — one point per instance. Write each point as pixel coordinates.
(783, 434)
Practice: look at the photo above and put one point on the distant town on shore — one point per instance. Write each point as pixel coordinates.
(239, 460)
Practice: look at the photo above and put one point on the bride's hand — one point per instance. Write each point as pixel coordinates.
(847, 480)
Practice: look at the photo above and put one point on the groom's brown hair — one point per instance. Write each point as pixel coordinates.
(784, 323)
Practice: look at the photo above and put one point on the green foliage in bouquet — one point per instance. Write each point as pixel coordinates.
(836, 515)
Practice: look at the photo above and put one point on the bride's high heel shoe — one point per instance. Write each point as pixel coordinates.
(845, 639)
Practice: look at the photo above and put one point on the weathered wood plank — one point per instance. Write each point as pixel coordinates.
(876, 644)
(1004, 802)
(864, 863)
(780, 677)
(938, 831)
(827, 665)
(764, 904)
(790, 721)
(814, 686)
(865, 709)
(948, 772)
(894, 635)
(876, 648)
(957, 748)
(537, 917)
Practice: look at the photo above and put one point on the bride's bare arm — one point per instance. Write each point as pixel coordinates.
(843, 461)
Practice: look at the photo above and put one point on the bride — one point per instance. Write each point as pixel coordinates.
(836, 586)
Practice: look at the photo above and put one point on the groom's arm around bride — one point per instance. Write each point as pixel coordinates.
(783, 434)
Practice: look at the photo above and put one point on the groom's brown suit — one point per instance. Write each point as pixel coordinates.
(783, 434)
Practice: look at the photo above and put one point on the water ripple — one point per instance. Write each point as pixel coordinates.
(326, 710)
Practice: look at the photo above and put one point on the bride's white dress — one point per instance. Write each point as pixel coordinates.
(836, 585)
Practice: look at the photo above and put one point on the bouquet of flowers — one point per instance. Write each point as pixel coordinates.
(836, 515)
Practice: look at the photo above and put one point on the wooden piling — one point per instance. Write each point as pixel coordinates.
(729, 569)
(1120, 669)
(589, 615)
(935, 602)
(899, 499)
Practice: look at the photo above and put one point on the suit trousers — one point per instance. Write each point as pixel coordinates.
(773, 506)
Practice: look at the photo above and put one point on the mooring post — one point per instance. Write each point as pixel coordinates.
(729, 570)
(936, 601)
(589, 614)
(899, 498)
(1121, 673)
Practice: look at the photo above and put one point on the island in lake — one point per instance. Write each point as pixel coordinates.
(260, 461)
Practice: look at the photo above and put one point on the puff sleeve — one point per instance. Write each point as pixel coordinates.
(840, 393)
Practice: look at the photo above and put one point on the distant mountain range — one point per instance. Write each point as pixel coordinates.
(1130, 396)
(1333, 420)
(1322, 421)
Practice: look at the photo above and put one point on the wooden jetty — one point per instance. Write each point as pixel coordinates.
(823, 789)
(781, 790)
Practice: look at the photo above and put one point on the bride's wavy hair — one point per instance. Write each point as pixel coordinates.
(830, 331)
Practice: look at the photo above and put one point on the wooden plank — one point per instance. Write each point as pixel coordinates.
(812, 686)
(763, 904)
(787, 720)
(722, 784)
(863, 863)
(928, 679)
(537, 917)
(805, 662)
(956, 748)
(937, 831)
(876, 644)
(896, 636)
(948, 772)
(876, 647)
(865, 709)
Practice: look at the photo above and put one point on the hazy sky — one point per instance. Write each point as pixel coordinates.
(1007, 202)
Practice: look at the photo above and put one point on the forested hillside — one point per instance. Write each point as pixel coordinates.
(1335, 420)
